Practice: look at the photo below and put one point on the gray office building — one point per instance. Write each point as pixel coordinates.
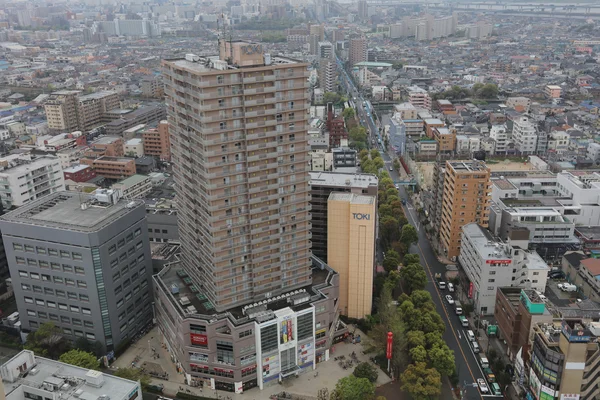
(82, 262)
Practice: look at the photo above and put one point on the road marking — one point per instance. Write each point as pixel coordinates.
(448, 318)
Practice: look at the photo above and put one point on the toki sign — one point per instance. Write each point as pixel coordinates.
(359, 216)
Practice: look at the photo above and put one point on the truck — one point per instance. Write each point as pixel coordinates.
(489, 375)
(463, 320)
(567, 287)
(458, 307)
(438, 279)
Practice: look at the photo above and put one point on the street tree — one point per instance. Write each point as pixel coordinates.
(80, 358)
(442, 359)
(421, 298)
(409, 235)
(420, 382)
(375, 154)
(415, 338)
(418, 354)
(134, 374)
(47, 341)
(413, 277)
(366, 370)
(348, 113)
(353, 388)
(411, 259)
(391, 261)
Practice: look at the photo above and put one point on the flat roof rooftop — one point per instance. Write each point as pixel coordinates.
(133, 180)
(62, 210)
(504, 184)
(106, 140)
(341, 179)
(467, 166)
(75, 168)
(59, 374)
(352, 198)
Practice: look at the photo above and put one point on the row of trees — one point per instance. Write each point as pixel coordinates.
(478, 91)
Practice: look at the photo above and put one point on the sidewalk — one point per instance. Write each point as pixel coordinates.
(305, 386)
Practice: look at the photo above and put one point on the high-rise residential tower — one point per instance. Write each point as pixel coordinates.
(239, 139)
(358, 50)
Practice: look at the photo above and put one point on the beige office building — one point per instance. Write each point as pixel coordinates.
(351, 251)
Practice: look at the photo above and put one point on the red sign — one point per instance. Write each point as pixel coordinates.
(388, 351)
(498, 262)
(199, 339)
(470, 290)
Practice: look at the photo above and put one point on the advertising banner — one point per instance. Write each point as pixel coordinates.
(198, 339)
(390, 339)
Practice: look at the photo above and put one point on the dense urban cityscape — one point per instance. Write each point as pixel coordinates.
(299, 199)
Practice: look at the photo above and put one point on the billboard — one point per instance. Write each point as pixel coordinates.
(535, 385)
(470, 290)
(286, 331)
(388, 350)
(199, 339)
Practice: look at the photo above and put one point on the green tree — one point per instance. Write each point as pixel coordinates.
(389, 231)
(411, 259)
(409, 235)
(366, 370)
(442, 359)
(96, 348)
(47, 341)
(80, 358)
(488, 91)
(420, 382)
(374, 153)
(418, 354)
(348, 113)
(133, 374)
(353, 388)
(434, 339)
(363, 155)
(391, 261)
(421, 298)
(378, 163)
(415, 338)
(396, 164)
(413, 277)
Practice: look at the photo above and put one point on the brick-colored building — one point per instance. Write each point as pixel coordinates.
(111, 146)
(79, 173)
(111, 167)
(157, 142)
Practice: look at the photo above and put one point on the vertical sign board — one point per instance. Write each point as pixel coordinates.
(388, 350)
(470, 290)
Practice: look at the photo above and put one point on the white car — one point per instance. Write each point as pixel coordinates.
(482, 385)
(397, 186)
(449, 299)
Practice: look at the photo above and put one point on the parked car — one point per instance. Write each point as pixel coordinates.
(482, 386)
(449, 299)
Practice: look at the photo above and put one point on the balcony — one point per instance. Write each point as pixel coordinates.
(262, 199)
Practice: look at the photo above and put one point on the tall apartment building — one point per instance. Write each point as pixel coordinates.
(249, 302)
(322, 184)
(317, 30)
(465, 198)
(430, 27)
(61, 110)
(157, 142)
(489, 264)
(351, 237)
(127, 27)
(500, 136)
(82, 262)
(363, 10)
(358, 50)
(565, 360)
(68, 110)
(24, 179)
(327, 67)
(525, 135)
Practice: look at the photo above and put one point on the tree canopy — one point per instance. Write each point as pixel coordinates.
(353, 388)
(366, 370)
(47, 341)
(80, 358)
(421, 382)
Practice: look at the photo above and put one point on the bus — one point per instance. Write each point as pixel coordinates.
(463, 320)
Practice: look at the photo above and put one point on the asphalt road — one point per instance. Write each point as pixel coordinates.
(455, 335)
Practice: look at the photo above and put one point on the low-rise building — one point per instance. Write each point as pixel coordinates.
(116, 168)
(79, 173)
(553, 91)
(134, 148)
(157, 142)
(27, 376)
(134, 187)
(584, 272)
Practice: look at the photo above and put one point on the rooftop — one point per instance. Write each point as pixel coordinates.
(504, 184)
(467, 166)
(72, 382)
(96, 96)
(352, 198)
(342, 179)
(75, 168)
(106, 140)
(63, 210)
(133, 180)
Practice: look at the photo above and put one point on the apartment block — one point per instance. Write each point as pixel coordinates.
(446, 139)
(27, 376)
(525, 135)
(157, 142)
(92, 108)
(489, 263)
(358, 50)
(116, 168)
(24, 179)
(465, 198)
(517, 311)
(82, 262)
(584, 272)
(419, 97)
(134, 187)
(501, 137)
(565, 360)
(351, 238)
(152, 87)
(327, 67)
(79, 173)
(553, 91)
(121, 120)
(322, 184)
(61, 110)
(111, 146)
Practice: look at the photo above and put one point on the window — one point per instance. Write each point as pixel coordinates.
(112, 249)
(20, 260)
(81, 284)
(53, 252)
(23, 274)
(34, 276)
(125, 269)
(51, 304)
(31, 313)
(121, 316)
(225, 352)
(25, 287)
(60, 293)
(67, 268)
(123, 257)
(17, 246)
(128, 296)
(65, 254)
(126, 283)
(29, 300)
(129, 237)
(79, 333)
(118, 289)
(74, 309)
(86, 311)
(139, 245)
(491, 280)
(84, 297)
(77, 256)
(49, 291)
(116, 276)
(62, 306)
(120, 303)
(58, 279)
(40, 250)
(53, 317)
(121, 243)
(72, 295)
(131, 251)
(55, 266)
(137, 232)
(245, 333)
(76, 321)
(32, 262)
(69, 282)
(40, 302)
(90, 336)
(114, 263)
(42, 314)
(136, 289)
(29, 248)
(43, 264)
(46, 278)
(79, 271)
(141, 258)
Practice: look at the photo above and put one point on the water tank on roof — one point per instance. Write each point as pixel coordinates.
(174, 288)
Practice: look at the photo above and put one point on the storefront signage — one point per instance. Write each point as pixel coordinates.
(470, 290)
(198, 339)
(504, 262)
(359, 216)
(569, 397)
(388, 351)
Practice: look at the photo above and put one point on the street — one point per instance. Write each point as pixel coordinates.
(469, 369)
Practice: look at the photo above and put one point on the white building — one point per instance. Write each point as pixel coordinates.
(133, 147)
(593, 152)
(583, 191)
(490, 263)
(419, 97)
(500, 136)
(558, 141)
(23, 179)
(525, 135)
(135, 187)
(70, 156)
(26, 376)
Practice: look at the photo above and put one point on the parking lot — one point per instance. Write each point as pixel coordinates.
(557, 296)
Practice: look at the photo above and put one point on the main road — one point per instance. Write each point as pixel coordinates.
(467, 361)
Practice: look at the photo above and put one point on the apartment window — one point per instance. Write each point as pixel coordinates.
(245, 333)
(116, 276)
(126, 283)
(51, 304)
(32, 262)
(53, 317)
(225, 352)
(58, 279)
(79, 333)
(121, 242)
(222, 125)
(84, 297)
(60, 293)
(77, 256)
(81, 284)
(90, 336)
(43, 264)
(29, 248)
(112, 249)
(53, 252)
(65, 254)
(136, 233)
(221, 103)
(49, 291)
(31, 313)
(491, 280)
(118, 289)
(40, 250)
(42, 314)
(76, 321)
(20, 260)
(40, 302)
(17, 246)
(79, 271)
(114, 263)
(123, 257)
(34, 324)
(33, 275)
(67, 268)
(86, 311)
(25, 287)
(62, 306)
(120, 303)
(28, 300)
